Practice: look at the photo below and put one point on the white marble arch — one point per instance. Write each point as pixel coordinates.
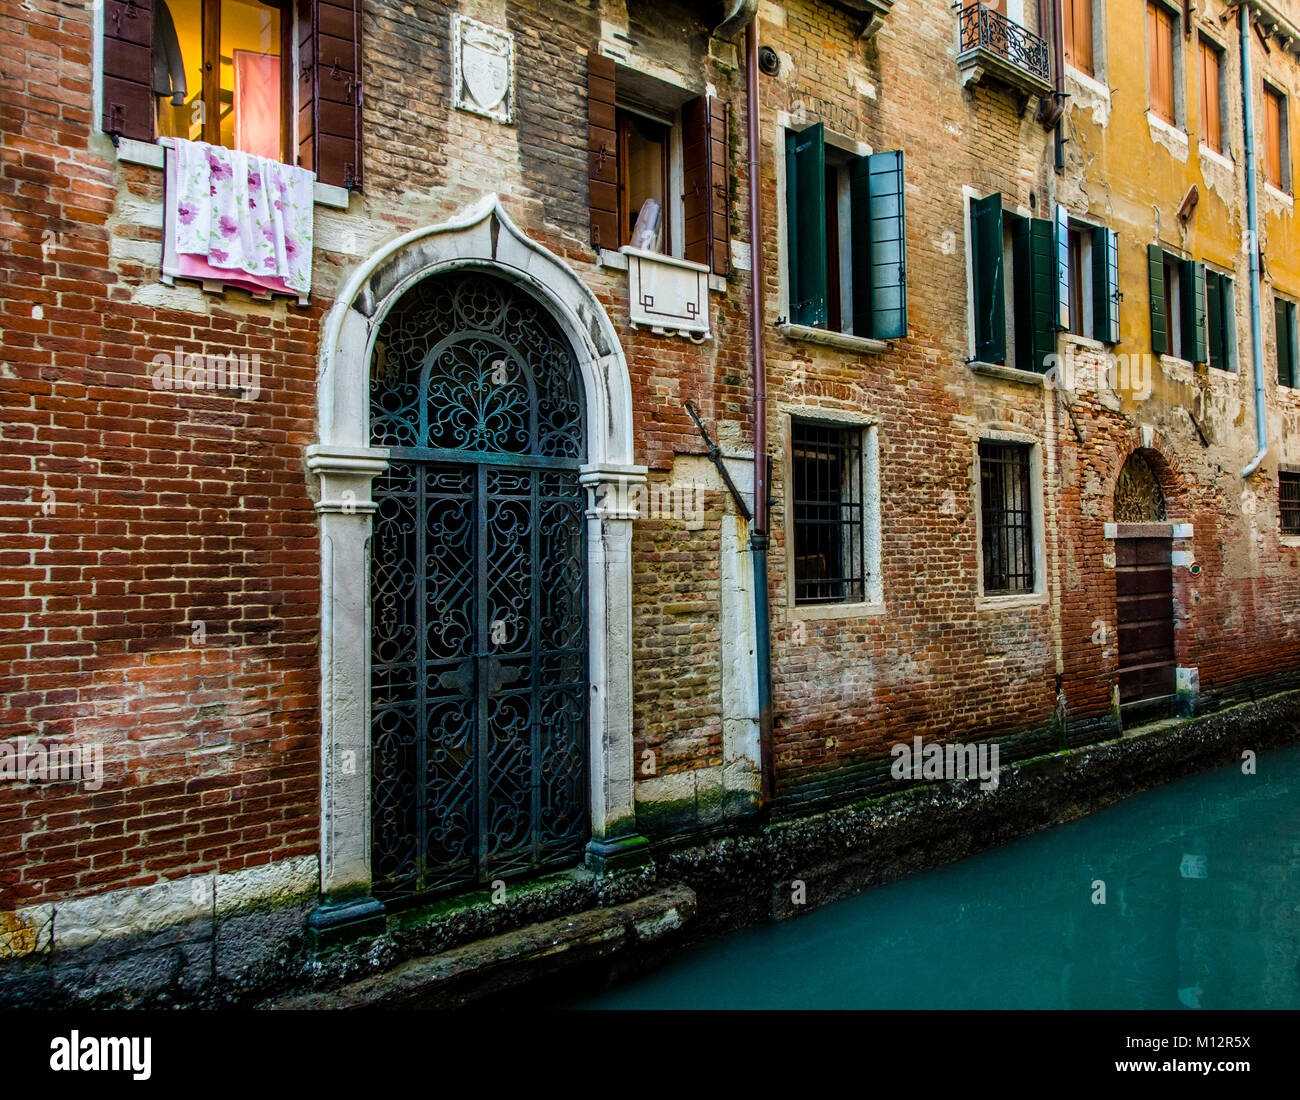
(482, 238)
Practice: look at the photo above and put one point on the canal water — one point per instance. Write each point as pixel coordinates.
(1202, 910)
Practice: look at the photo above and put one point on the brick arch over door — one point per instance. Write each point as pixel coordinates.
(482, 238)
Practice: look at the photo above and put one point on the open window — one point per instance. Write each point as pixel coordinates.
(1179, 313)
(846, 237)
(658, 173)
(1017, 282)
(221, 71)
(1093, 280)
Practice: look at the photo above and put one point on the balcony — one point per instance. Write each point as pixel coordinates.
(994, 49)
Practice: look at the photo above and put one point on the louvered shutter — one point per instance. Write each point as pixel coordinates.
(1159, 307)
(1042, 293)
(805, 196)
(1214, 319)
(989, 302)
(602, 153)
(1105, 285)
(1192, 311)
(1062, 267)
(329, 90)
(879, 246)
(128, 69)
(707, 201)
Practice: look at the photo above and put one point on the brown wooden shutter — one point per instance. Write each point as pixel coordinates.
(602, 153)
(128, 69)
(706, 203)
(329, 90)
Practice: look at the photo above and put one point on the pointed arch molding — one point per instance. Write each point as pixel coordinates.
(481, 237)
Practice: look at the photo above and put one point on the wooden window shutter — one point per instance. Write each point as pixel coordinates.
(879, 246)
(602, 153)
(1211, 122)
(1284, 317)
(1037, 295)
(987, 276)
(128, 69)
(1192, 311)
(1062, 248)
(1273, 137)
(329, 90)
(1159, 307)
(707, 201)
(805, 199)
(1105, 285)
(1214, 320)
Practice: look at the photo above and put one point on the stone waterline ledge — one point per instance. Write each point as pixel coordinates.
(576, 930)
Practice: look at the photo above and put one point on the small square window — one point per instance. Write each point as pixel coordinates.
(828, 495)
(1006, 518)
(1288, 484)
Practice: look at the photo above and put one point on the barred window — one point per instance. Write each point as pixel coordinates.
(1288, 484)
(829, 522)
(1006, 513)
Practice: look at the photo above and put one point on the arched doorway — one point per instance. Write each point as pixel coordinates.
(478, 591)
(1144, 589)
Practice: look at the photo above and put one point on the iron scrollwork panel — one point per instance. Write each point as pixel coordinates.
(479, 662)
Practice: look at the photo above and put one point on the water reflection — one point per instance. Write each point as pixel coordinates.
(1202, 910)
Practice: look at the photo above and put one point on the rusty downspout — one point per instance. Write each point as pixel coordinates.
(1050, 111)
(758, 536)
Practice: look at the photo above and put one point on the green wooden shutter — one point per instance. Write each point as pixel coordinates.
(1192, 311)
(1279, 342)
(805, 198)
(1041, 294)
(1063, 269)
(1105, 285)
(1214, 319)
(1293, 352)
(879, 246)
(1159, 307)
(986, 269)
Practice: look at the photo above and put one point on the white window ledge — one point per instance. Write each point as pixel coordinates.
(843, 340)
(1175, 133)
(1079, 340)
(130, 151)
(1010, 602)
(1091, 83)
(1216, 158)
(1281, 196)
(810, 612)
(617, 261)
(1007, 374)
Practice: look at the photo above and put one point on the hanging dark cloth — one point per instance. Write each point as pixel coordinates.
(168, 65)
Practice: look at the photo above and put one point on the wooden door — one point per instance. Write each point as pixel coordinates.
(1144, 614)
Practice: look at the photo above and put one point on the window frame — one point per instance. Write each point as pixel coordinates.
(210, 87)
(868, 429)
(673, 213)
(1035, 511)
(1205, 44)
(1177, 117)
(1286, 307)
(1290, 477)
(1275, 95)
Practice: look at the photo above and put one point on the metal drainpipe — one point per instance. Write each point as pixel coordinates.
(758, 536)
(1252, 212)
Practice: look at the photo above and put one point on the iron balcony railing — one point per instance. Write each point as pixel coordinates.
(982, 28)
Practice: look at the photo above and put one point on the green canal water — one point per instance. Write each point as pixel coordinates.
(1202, 910)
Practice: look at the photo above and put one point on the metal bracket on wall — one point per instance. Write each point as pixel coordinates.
(715, 456)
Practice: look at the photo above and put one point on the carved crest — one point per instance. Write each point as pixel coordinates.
(483, 69)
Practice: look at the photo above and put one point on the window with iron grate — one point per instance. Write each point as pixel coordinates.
(830, 537)
(1288, 485)
(1006, 517)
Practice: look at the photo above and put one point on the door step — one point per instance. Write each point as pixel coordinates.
(478, 969)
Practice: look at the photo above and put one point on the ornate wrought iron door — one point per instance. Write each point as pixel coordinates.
(478, 592)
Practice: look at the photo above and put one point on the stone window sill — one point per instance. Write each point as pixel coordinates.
(617, 261)
(809, 612)
(1175, 133)
(1006, 374)
(1010, 602)
(151, 155)
(1215, 157)
(1089, 342)
(844, 340)
(1281, 196)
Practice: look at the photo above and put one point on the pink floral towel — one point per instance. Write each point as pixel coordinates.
(237, 218)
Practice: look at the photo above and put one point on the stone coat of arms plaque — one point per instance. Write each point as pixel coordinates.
(483, 69)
